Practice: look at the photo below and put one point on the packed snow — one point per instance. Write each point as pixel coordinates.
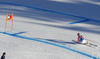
(44, 29)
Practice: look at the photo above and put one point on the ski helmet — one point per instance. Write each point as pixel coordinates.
(78, 33)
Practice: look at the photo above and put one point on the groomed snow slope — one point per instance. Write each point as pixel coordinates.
(45, 29)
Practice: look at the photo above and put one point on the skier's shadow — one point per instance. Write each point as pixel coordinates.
(57, 41)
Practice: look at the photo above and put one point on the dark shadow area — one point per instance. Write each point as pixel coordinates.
(51, 11)
(19, 33)
(96, 0)
(60, 41)
(57, 41)
(75, 28)
(71, 9)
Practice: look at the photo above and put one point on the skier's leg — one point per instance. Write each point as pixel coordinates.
(84, 42)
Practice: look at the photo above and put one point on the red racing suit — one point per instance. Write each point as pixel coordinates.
(80, 39)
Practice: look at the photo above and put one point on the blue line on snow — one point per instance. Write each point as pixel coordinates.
(52, 12)
(24, 37)
(80, 21)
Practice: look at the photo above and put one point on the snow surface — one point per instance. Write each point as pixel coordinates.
(44, 29)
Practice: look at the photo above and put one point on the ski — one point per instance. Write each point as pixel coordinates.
(93, 44)
(87, 44)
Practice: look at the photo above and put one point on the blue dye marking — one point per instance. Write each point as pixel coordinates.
(80, 21)
(24, 37)
(52, 12)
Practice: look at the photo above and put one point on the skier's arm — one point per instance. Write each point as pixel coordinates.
(78, 40)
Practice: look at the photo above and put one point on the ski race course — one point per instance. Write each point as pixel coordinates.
(41, 32)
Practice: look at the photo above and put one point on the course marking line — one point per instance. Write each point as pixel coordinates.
(79, 21)
(52, 12)
(61, 46)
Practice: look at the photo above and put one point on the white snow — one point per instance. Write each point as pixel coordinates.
(48, 21)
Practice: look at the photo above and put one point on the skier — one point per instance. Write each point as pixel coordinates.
(3, 56)
(81, 39)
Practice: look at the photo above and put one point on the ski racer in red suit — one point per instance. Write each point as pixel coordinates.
(81, 39)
